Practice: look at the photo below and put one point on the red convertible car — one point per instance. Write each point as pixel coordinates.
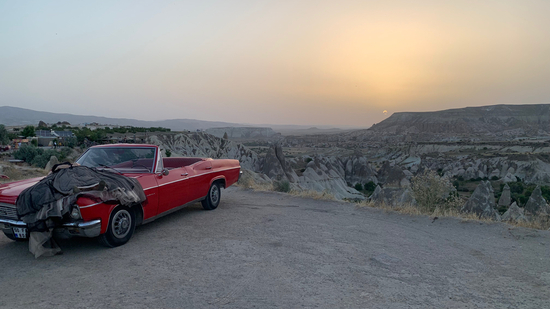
(168, 183)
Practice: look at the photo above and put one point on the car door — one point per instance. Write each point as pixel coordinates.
(173, 189)
(150, 188)
(200, 174)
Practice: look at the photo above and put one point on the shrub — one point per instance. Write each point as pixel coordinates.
(168, 153)
(282, 186)
(494, 178)
(430, 190)
(370, 186)
(27, 153)
(358, 187)
(38, 156)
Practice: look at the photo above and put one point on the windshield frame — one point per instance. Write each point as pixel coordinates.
(151, 170)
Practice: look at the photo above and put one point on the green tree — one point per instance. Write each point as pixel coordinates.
(370, 186)
(28, 131)
(4, 137)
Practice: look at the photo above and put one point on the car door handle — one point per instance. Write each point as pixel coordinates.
(209, 168)
(184, 174)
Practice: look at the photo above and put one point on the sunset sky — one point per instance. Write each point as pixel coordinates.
(339, 63)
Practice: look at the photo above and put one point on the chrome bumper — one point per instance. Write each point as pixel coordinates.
(84, 229)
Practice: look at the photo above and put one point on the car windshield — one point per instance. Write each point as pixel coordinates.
(122, 159)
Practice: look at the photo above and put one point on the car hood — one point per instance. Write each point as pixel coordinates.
(10, 191)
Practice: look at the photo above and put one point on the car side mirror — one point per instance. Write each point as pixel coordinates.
(164, 172)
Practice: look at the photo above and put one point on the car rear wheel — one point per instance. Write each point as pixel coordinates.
(122, 224)
(213, 197)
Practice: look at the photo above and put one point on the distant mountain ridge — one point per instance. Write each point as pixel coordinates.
(498, 120)
(13, 116)
(16, 116)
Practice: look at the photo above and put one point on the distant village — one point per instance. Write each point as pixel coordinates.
(63, 133)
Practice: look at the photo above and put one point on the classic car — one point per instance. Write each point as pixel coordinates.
(168, 183)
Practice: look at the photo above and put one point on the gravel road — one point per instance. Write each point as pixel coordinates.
(267, 250)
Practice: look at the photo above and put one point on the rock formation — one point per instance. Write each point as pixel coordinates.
(392, 196)
(200, 144)
(514, 214)
(244, 132)
(496, 120)
(536, 204)
(392, 176)
(53, 161)
(506, 197)
(358, 170)
(482, 202)
(275, 166)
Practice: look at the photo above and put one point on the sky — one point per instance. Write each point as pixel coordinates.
(337, 63)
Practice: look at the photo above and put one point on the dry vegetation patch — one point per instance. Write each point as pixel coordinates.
(15, 172)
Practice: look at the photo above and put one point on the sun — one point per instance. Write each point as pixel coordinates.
(385, 112)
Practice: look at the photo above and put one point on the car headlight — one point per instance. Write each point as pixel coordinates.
(75, 213)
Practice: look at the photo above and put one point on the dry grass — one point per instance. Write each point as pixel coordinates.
(247, 182)
(450, 208)
(20, 172)
(316, 195)
(541, 222)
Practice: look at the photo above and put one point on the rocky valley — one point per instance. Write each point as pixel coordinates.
(480, 150)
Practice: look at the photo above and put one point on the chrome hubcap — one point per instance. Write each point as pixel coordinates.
(214, 194)
(121, 223)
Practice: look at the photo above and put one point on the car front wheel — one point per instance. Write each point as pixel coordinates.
(122, 224)
(213, 197)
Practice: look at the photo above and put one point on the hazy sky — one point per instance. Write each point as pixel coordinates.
(279, 62)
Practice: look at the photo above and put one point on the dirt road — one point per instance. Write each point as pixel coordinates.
(267, 250)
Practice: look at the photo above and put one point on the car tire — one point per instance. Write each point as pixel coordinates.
(213, 197)
(10, 236)
(122, 224)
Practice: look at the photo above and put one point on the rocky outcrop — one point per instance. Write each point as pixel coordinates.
(320, 174)
(514, 214)
(536, 204)
(506, 197)
(482, 202)
(53, 161)
(276, 167)
(250, 178)
(200, 144)
(244, 132)
(324, 180)
(496, 120)
(359, 170)
(392, 196)
(392, 175)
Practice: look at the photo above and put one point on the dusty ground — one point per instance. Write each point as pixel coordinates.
(267, 250)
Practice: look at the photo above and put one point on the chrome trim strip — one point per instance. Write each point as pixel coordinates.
(13, 222)
(227, 169)
(82, 207)
(82, 225)
(169, 211)
(85, 229)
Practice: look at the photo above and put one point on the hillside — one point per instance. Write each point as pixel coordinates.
(14, 116)
(496, 120)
